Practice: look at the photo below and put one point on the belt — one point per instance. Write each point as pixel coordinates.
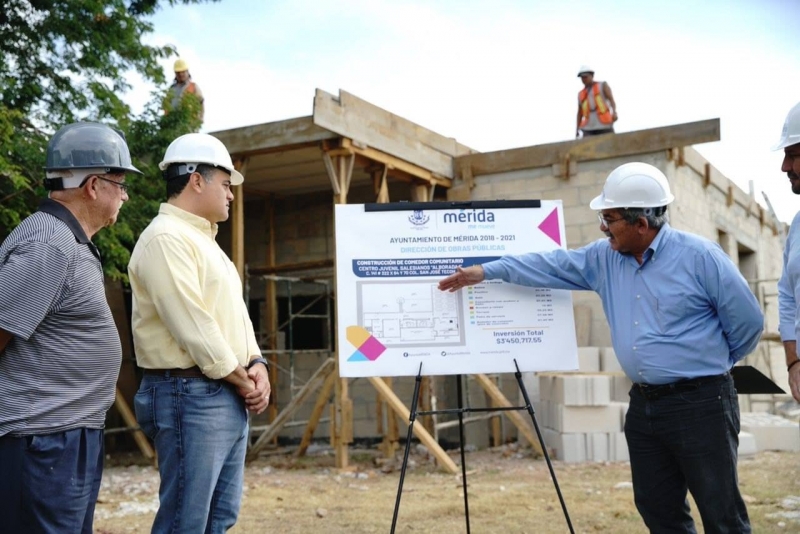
(653, 392)
(191, 372)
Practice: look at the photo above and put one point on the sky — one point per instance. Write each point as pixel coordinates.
(501, 74)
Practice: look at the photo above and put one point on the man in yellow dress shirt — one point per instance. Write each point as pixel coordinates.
(193, 337)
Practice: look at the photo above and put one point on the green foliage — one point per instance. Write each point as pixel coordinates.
(148, 137)
(68, 60)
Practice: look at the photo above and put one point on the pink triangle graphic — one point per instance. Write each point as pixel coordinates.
(550, 227)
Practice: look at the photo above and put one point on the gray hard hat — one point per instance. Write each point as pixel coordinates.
(89, 145)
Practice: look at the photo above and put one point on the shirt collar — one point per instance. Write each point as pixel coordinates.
(659, 240)
(202, 224)
(60, 212)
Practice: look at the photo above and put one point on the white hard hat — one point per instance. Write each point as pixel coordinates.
(584, 69)
(634, 185)
(791, 129)
(197, 148)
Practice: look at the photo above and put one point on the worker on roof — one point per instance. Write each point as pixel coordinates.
(183, 85)
(597, 110)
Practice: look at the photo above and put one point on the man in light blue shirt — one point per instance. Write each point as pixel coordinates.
(681, 316)
(789, 284)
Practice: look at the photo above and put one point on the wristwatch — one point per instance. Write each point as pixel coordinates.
(258, 360)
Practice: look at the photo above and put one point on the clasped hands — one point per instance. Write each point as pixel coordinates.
(256, 393)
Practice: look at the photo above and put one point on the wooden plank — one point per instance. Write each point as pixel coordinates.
(316, 380)
(332, 175)
(425, 404)
(402, 126)
(514, 416)
(271, 320)
(389, 432)
(271, 135)
(313, 420)
(354, 118)
(130, 420)
(497, 437)
(341, 423)
(591, 148)
(405, 414)
(237, 221)
(383, 187)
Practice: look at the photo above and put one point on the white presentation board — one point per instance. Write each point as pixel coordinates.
(392, 317)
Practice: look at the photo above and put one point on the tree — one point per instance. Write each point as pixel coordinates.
(67, 60)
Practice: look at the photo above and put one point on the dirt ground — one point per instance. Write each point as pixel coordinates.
(509, 491)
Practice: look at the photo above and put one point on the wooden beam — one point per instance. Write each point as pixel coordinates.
(341, 428)
(237, 221)
(130, 420)
(390, 434)
(399, 164)
(421, 192)
(290, 267)
(405, 414)
(590, 148)
(500, 400)
(316, 380)
(379, 179)
(372, 126)
(271, 319)
(342, 423)
(319, 406)
(261, 138)
(332, 174)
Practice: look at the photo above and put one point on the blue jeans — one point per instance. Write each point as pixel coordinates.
(49, 483)
(200, 430)
(687, 440)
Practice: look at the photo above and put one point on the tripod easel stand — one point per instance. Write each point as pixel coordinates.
(460, 412)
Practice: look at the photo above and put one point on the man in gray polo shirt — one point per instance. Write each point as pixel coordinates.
(59, 348)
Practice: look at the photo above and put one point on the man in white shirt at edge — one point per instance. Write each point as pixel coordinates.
(789, 284)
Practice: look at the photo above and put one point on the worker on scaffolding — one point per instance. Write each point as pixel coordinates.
(789, 284)
(182, 87)
(60, 350)
(597, 110)
(194, 339)
(681, 315)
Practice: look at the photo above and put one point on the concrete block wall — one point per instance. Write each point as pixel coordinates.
(771, 432)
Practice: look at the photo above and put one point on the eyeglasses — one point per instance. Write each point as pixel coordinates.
(121, 185)
(606, 222)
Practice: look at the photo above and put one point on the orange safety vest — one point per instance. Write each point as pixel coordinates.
(600, 102)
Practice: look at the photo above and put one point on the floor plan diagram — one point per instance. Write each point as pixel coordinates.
(412, 314)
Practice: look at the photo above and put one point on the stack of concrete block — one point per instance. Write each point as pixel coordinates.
(747, 444)
(598, 359)
(582, 414)
(589, 359)
(580, 421)
(772, 432)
